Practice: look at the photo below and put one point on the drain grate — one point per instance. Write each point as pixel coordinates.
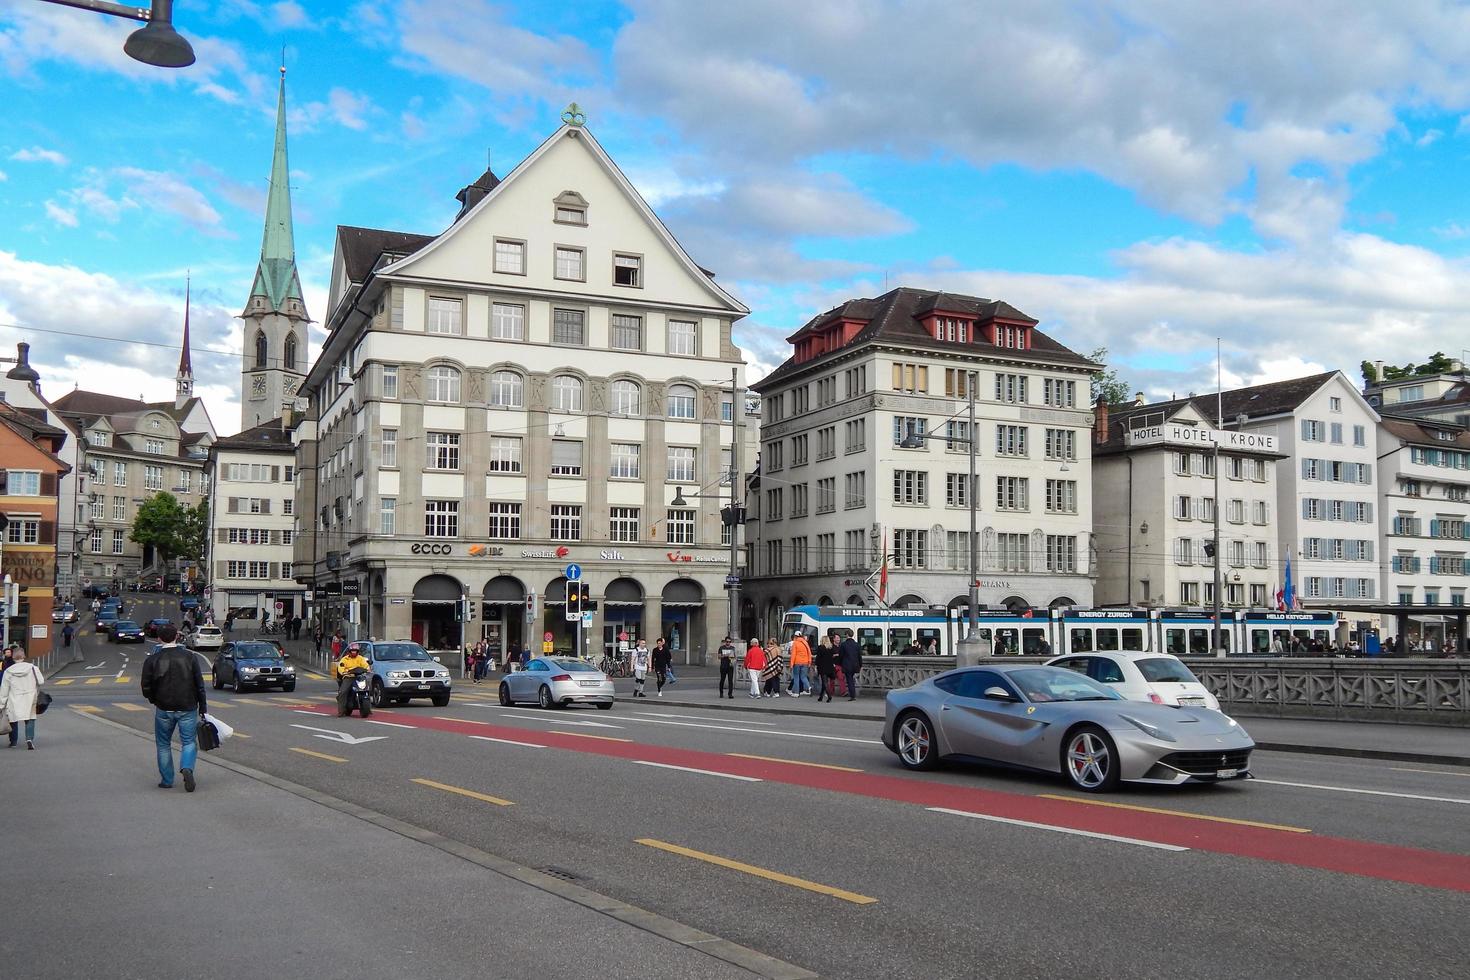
(561, 873)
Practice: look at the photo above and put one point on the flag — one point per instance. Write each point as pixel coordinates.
(1289, 600)
(1281, 600)
(883, 572)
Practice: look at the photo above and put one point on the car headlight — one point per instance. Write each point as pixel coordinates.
(398, 674)
(443, 675)
(289, 669)
(247, 670)
(1153, 731)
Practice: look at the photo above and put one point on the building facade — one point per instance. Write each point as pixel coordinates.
(252, 526)
(32, 474)
(1155, 504)
(532, 389)
(864, 453)
(1424, 502)
(1440, 398)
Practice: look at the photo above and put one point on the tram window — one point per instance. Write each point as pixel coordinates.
(791, 629)
(1320, 636)
(1107, 639)
(870, 640)
(1174, 641)
(1132, 638)
(1005, 642)
(931, 642)
(1031, 640)
(899, 641)
(1260, 641)
(1285, 637)
(1199, 641)
(1081, 641)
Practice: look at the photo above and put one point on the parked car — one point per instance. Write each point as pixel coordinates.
(1158, 677)
(126, 631)
(64, 614)
(556, 682)
(250, 663)
(154, 625)
(1060, 721)
(207, 637)
(402, 670)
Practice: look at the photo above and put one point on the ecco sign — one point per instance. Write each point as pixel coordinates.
(429, 548)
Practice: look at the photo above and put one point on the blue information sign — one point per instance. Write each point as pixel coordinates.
(574, 572)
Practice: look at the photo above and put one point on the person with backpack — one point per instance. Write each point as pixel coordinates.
(20, 689)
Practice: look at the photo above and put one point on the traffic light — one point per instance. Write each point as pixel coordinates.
(1209, 549)
(574, 600)
(530, 607)
(587, 605)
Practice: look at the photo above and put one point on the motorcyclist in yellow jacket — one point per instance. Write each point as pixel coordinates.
(351, 660)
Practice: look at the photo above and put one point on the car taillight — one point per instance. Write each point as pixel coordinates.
(562, 677)
(1155, 698)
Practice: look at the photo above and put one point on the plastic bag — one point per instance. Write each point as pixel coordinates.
(224, 731)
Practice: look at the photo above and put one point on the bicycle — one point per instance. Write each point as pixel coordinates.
(273, 628)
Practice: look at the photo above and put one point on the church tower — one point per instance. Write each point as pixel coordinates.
(184, 380)
(275, 319)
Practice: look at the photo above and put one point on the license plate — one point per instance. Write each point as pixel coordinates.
(590, 683)
(1226, 773)
(1192, 702)
(423, 687)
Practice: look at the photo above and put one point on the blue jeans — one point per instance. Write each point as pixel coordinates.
(799, 680)
(164, 723)
(30, 724)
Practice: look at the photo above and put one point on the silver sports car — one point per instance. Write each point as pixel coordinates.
(555, 682)
(1057, 720)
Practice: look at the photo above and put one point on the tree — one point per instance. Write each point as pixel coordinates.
(1438, 363)
(1105, 383)
(196, 530)
(162, 522)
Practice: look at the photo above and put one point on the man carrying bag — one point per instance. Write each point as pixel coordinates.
(174, 684)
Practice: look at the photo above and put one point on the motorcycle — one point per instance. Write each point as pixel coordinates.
(359, 694)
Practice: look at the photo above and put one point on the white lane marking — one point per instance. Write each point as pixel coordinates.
(97, 666)
(342, 737)
(551, 720)
(390, 724)
(670, 714)
(1061, 830)
(1437, 772)
(539, 715)
(702, 772)
(507, 741)
(1365, 792)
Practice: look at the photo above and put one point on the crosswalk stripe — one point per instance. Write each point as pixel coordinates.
(90, 709)
(128, 707)
(65, 681)
(121, 680)
(94, 680)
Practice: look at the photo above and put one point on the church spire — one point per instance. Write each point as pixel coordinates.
(184, 380)
(276, 280)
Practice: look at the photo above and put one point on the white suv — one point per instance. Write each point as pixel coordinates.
(1158, 677)
(207, 637)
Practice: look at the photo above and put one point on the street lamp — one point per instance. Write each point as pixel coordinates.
(156, 42)
(969, 649)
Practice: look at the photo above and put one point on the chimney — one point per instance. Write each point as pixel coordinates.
(1378, 370)
(1100, 423)
(23, 370)
(1138, 399)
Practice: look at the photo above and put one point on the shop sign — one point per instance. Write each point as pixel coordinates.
(611, 554)
(397, 602)
(558, 552)
(486, 551)
(31, 568)
(430, 548)
(352, 587)
(1198, 435)
(680, 556)
(993, 583)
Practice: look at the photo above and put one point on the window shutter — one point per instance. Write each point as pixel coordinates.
(48, 484)
(1434, 527)
(222, 535)
(233, 505)
(221, 569)
(275, 474)
(48, 528)
(265, 506)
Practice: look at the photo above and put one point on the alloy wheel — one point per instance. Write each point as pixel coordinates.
(915, 743)
(1088, 760)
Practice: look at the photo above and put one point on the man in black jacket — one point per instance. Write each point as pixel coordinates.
(850, 655)
(174, 684)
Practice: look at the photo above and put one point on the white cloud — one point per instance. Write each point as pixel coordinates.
(61, 215)
(38, 154)
(344, 107)
(3, 176)
(171, 194)
(1429, 138)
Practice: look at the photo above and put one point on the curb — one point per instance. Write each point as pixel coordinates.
(736, 955)
(1381, 754)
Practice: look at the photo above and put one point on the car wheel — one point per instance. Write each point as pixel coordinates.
(377, 694)
(1090, 759)
(214, 677)
(914, 737)
(504, 695)
(543, 697)
(605, 705)
(239, 685)
(288, 688)
(439, 700)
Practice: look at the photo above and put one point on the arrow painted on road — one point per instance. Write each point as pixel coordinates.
(342, 737)
(96, 666)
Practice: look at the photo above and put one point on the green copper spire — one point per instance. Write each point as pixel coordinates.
(276, 278)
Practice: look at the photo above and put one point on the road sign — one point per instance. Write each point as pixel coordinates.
(587, 618)
(574, 572)
(546, 646)
(546, 637)
(623, 637)
(732, 579)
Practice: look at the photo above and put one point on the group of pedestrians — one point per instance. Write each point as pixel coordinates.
(480, 658)
(837, 661)
(660, 660)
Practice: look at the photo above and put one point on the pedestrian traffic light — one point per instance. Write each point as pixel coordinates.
(530, 607)
(574, 600)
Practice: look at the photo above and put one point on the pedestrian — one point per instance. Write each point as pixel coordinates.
(727, 669)
(801, 661)
(9, 657)
(20, 687)
(641, 661)
(825, 667)
(337, 642)
(775, 667)
(66, 634)
(525, 656)
(662, 657)
(755, 663)
(1043, 649)
(850, 657)
(174, 684)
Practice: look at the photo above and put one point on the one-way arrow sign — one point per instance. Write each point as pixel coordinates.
(343, 737)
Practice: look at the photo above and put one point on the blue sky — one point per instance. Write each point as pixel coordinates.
(1144, 176)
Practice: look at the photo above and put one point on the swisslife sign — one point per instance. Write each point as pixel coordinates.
(1174, 434)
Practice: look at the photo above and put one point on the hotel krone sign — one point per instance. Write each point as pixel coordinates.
(1174, 434)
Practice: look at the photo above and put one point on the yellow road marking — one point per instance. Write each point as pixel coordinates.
(1177, 813)
(121, 680)
(64, 681)
(90, 709)
(128, 707)
(751, 869)
(319, 755)
(94, 680)
(463, 792)
(793, 762)
(604, 738)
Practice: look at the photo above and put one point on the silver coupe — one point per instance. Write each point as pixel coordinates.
(1055, 720)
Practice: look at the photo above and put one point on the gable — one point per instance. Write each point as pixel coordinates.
(522, 208)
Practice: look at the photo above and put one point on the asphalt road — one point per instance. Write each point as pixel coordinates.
(802, 838)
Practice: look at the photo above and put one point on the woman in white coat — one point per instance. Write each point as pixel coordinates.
(19, 689)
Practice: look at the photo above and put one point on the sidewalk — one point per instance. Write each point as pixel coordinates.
(246, 878)
(697, 688)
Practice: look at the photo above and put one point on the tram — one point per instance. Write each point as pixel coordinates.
(936, 631)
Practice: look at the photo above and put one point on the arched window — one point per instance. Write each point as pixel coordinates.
(627, 398)
(443, 384)
(507, 390)
(681, 401)
(260, 350)
(566, 393)
(289, 360)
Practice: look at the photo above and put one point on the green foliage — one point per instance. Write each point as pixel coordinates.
(1105, 383)
(1438, 363)
(163, 523)
(196, 530)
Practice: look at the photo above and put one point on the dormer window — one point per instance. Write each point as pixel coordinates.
(571, 208)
